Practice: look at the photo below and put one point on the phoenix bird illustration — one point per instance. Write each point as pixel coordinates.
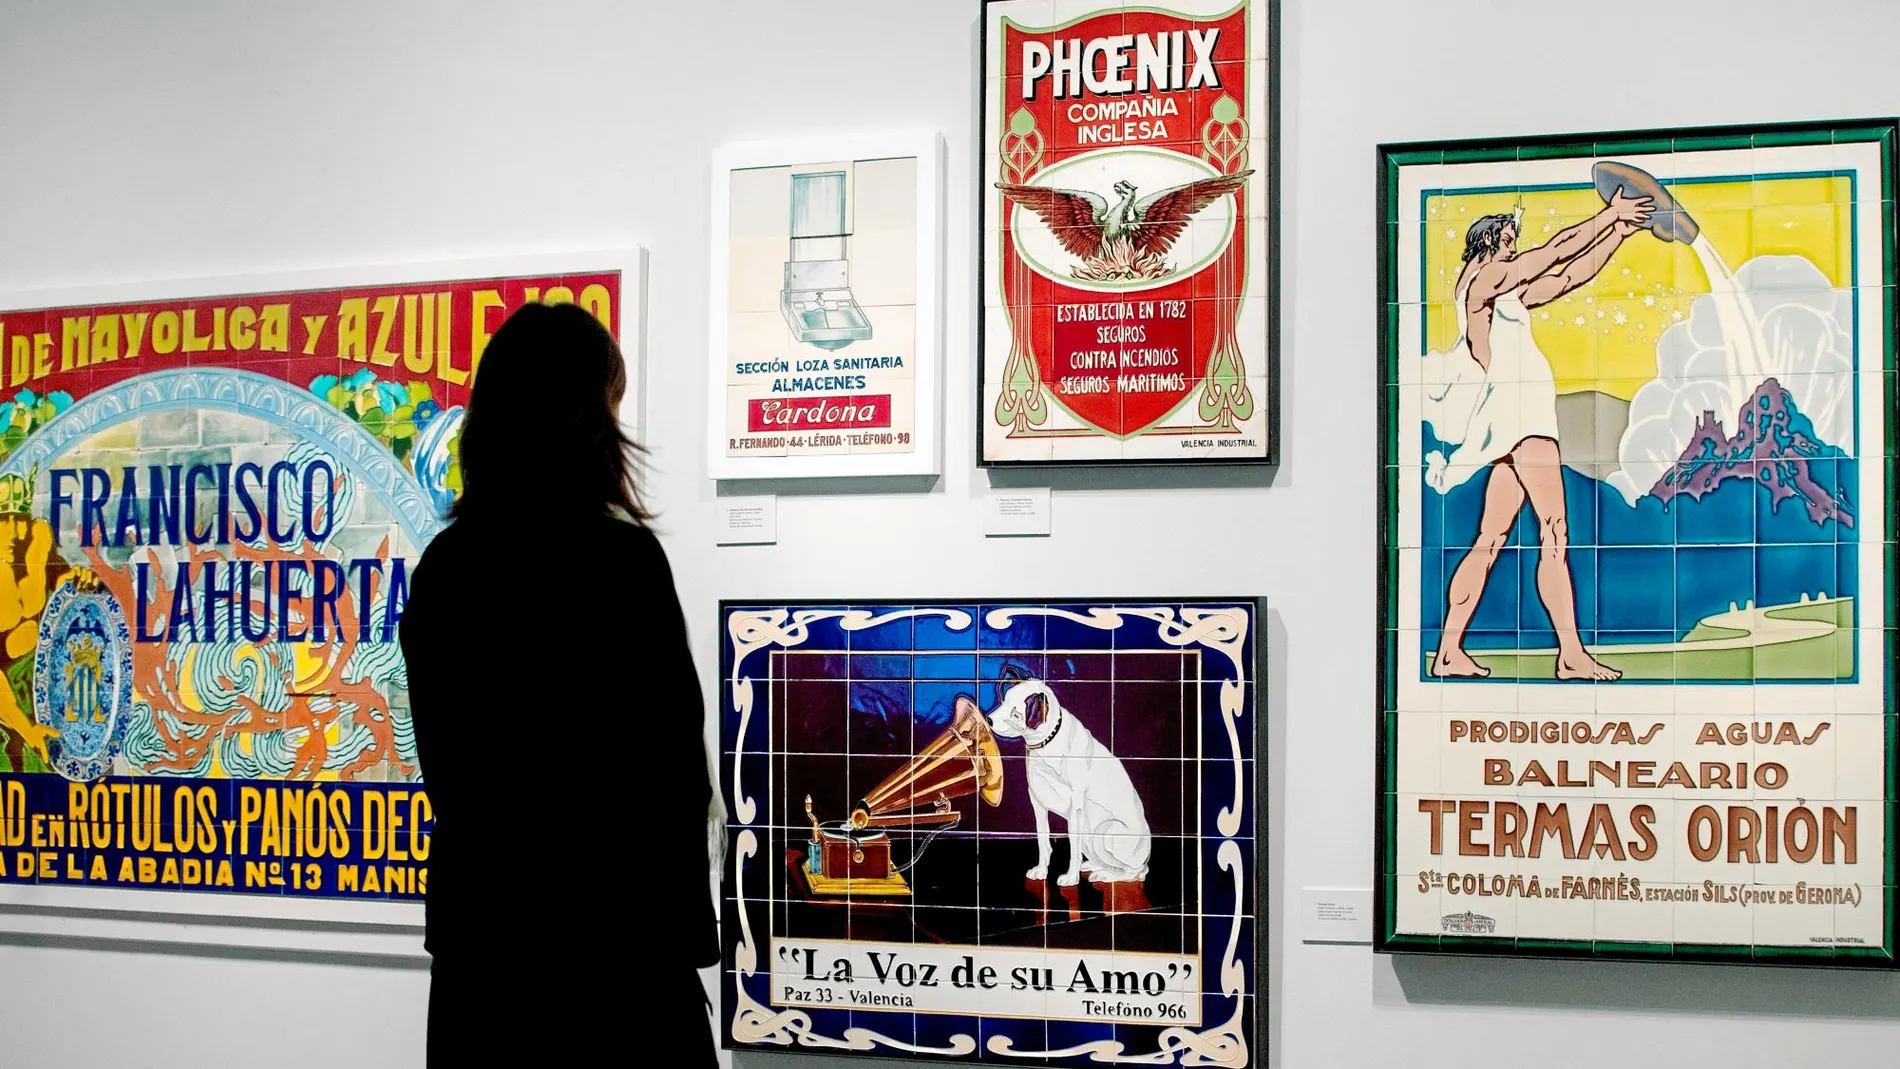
(1129, 240)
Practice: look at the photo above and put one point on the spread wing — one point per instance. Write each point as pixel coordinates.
(1073, 215)
(1165, 215)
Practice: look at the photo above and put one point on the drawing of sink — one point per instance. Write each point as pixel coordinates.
(818, 304)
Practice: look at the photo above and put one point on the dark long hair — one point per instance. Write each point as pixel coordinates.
(542, 432)
(1486, 235)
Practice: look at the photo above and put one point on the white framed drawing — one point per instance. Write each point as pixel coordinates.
(826, 322)
(183, 760)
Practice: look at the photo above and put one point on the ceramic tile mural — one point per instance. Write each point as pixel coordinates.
(1637, 579)
(825, 308)
(211, 507)
(1010, 832)
(1128, 232)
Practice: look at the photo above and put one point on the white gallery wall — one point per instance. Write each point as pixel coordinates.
(193, 137)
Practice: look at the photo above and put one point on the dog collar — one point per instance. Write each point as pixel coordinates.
(1054, 730)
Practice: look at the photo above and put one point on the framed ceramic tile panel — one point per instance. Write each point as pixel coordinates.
(1008, 832)
(1637, 573)
(1128, 228)
(826, 308)
(214, 492)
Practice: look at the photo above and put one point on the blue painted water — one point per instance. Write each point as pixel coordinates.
(1641, 573)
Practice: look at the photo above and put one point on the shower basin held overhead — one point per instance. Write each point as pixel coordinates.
(818, 304)
(1668, 221)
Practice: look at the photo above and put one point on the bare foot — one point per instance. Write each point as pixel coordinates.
(1456, 663)
(1581, 665)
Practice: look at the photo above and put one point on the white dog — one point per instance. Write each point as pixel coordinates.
(1073, 775)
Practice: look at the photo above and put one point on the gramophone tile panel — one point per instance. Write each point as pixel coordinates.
(922, 821)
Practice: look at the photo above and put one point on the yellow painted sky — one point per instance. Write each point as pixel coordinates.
(1603, 336)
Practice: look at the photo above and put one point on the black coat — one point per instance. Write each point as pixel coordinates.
(559, 724)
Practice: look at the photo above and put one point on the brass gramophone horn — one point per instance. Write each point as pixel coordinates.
(962, 761)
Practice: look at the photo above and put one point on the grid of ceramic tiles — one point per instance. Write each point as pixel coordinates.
(991, 830)
(1150, 340)
(1638, 558)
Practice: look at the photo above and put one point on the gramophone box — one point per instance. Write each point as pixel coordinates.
(841, 863)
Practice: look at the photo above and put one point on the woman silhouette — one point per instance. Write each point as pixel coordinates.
(556, 714)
